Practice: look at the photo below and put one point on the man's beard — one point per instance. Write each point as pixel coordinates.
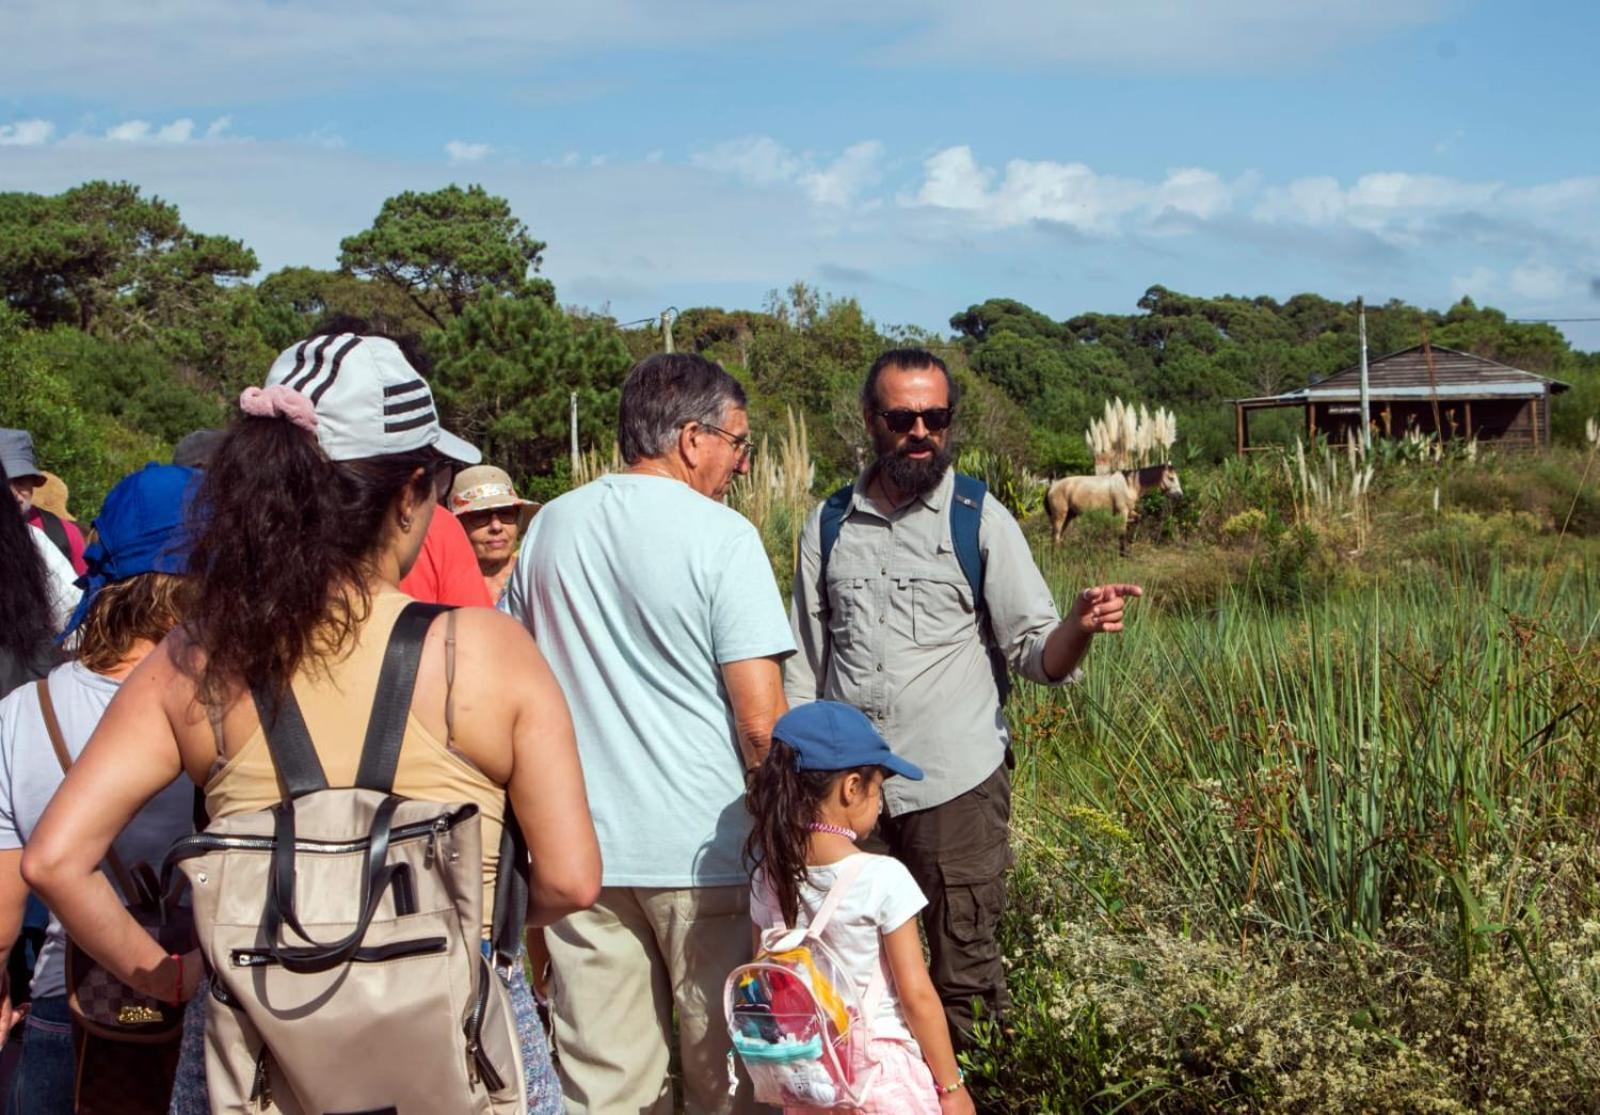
(913, 478)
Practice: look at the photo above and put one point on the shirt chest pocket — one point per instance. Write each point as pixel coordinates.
(849, 605)
(941, 611)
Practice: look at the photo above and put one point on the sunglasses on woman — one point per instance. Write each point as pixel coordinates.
(901, 421)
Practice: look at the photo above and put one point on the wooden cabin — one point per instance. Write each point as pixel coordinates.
(1459, 396)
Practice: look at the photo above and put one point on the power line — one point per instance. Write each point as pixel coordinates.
(1549, 320)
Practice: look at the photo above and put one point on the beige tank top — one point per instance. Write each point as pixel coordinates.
(335, 699)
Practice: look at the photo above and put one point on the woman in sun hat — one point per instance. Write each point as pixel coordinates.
(494, 517)
(312, 508)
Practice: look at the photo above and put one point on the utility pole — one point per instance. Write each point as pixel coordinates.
(1366, 400)
(577, 461)
(668, 316)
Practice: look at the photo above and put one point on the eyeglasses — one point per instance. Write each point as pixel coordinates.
(742, 445)
(444, 474)
(473, 520)
(901, 421)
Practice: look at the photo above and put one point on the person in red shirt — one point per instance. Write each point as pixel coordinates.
(446, 571)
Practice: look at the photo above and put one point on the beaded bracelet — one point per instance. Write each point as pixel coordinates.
(950, 1089)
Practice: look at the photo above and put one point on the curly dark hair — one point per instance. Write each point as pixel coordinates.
(783, 801)
(27, 620)
(285, 545)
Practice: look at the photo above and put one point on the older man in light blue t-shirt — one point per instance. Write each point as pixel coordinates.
(656, 607)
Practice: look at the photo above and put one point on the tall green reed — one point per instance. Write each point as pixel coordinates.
(1312, 770)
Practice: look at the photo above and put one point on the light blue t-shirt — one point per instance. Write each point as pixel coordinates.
(638, 589)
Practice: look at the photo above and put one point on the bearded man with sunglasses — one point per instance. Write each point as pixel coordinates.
(888, 619)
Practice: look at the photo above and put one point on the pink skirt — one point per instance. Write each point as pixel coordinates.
(904, 1084)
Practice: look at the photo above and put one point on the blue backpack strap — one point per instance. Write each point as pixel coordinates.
(834, 510)
(966, 516)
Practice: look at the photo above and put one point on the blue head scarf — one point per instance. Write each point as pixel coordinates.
(141, 528)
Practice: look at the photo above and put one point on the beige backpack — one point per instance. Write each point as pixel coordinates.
(341, 929)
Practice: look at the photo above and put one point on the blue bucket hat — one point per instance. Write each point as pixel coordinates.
(827, 735)
(141, 528)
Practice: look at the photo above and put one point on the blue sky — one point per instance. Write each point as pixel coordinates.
(920, 156)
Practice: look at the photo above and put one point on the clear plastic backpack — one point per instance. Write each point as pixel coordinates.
(794, 1019)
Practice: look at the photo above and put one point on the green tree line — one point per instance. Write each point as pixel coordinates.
(122, 329)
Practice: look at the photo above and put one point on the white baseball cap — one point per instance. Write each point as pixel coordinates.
(370, 401)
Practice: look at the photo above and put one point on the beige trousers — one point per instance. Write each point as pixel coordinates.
(619, 970)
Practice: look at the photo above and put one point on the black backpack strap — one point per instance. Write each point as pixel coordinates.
(510, 895)
(56, 531)
(289, 742)
(391, 703)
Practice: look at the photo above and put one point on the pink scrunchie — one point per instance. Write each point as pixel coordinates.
(279, 401)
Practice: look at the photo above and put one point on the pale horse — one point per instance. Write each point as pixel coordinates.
(1116, 492)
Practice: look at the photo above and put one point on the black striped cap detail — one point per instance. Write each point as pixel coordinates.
(320, 364)
(402, 425)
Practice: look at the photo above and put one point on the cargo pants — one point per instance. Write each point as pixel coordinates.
(959, 852)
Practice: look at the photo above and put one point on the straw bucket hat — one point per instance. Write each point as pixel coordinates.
(52, 496)
(483, 486)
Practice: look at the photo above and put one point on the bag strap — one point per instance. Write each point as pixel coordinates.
(289, 741)
(966, 518)
(835, 509)
(52, 727)
(510, 916)
(830, 902)
(391, 703)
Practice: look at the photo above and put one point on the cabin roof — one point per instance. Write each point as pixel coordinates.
(1404, 375)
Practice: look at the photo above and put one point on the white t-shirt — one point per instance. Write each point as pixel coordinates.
(30, 775)
(882, 899)
(639, 590)
(59, 575)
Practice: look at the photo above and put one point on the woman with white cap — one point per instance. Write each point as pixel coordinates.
(310, 512)
(494, 517)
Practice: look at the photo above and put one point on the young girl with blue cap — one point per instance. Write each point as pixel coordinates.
(819, 791)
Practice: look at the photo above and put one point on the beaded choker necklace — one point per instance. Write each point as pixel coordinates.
(837, 830)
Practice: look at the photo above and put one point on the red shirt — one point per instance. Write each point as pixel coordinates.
(74, 538)
(446, 571)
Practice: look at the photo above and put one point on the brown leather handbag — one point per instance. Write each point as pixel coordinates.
(118, 1070)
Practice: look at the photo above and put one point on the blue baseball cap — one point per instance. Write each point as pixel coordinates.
(141, 528)
(827, 735)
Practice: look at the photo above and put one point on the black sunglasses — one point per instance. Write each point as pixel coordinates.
(901, 421)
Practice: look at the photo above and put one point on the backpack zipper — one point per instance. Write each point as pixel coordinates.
(261, 1090)
(203, 842)
(478, 1062)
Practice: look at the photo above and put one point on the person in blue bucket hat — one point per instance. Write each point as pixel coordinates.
(132, 597)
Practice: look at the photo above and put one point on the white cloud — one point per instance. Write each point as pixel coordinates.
(258, 47)
(1479, 284)
(843, 180)
(141, 131)
(1218, 35)
(1544, 283)
(758, 160)
(221, 124)
(954, 180)
(461, 151)
(26, 133)
(1068, 194)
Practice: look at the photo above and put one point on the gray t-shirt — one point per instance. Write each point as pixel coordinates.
(30, 774)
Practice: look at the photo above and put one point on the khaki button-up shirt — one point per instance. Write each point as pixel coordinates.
(896, 633)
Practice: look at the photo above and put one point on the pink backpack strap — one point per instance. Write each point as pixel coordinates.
(841, 886)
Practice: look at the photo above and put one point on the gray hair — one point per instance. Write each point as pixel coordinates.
(664, 393)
